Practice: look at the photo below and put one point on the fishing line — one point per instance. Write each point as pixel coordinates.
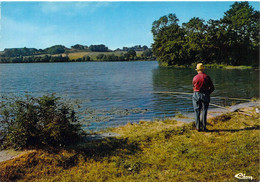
(209, 103)
(185, 93)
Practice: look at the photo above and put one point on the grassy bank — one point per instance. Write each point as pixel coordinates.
(242, 67)
(151, 151)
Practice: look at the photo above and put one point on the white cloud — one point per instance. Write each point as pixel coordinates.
(70, 8)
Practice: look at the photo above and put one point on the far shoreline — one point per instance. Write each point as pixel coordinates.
(207, 66)
(215, 66)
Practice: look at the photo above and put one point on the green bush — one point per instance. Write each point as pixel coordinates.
(37, 122)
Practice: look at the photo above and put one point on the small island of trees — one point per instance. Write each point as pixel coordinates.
(232, 40)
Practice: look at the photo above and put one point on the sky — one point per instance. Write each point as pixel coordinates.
(115, 24)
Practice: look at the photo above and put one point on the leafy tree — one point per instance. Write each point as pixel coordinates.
(136, 48)
(195, 25)
(144, 47)
(217, 49)
(195, 43)
(168, 41)
(148, 53)
(132, 53)
(86, 58)
(78, 46)
(127, 56)
(241, 23)
(165, 21)
(100, 56)
(98, 48)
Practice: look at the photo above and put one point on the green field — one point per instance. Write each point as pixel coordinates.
(93, 55)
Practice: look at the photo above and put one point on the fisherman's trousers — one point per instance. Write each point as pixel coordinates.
(200, 102)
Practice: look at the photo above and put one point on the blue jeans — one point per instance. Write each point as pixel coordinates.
(200, 102)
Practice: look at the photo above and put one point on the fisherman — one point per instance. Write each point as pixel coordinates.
(202, 87)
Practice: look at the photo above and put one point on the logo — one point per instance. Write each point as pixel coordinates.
(243, 176)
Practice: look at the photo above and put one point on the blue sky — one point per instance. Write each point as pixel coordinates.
(115, 24)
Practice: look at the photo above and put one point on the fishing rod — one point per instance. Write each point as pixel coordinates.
(185, 93)
(218, 106)
(210, 104)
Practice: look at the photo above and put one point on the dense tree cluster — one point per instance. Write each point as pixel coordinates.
(127, 56)
(57, 49)
(16, 52)
(20, 52)
(135, 48)
(232, 40)
(98, 48)
(91, 48)
(79, 47)
(110, 57)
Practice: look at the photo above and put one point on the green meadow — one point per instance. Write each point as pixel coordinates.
(93, 55)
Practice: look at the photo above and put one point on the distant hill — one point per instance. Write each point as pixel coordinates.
(77, 53)
(60, 49)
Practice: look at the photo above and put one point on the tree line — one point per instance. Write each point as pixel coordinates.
(60, 49)
(127, 56)
(56, 49)
(16, 52)
(34, 59)
(232, 40)
(59, 53)
(136, 48)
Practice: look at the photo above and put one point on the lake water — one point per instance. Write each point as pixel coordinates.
(114, 93)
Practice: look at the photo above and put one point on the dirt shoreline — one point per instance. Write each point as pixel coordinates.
(214, 112)
(6, 155)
